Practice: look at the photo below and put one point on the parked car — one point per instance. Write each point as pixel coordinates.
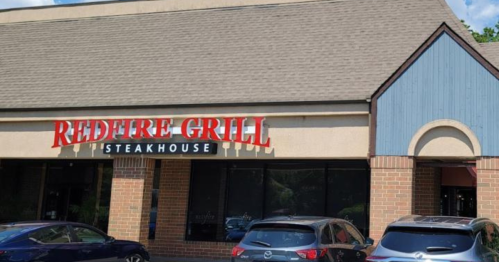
(436, 238)
(50, 241)
(302, 239)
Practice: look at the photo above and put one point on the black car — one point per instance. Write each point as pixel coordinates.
(302, 239)
(43, 241)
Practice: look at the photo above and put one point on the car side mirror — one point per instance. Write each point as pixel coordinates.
(110, 240)
(369, 242)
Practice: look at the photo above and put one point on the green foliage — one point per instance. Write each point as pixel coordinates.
(86, 211)
(489, 34)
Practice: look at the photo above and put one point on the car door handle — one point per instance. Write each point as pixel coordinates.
(86, 251)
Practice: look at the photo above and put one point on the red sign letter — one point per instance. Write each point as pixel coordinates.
(114, 128)
(240, 131)
(61, 138)
(259, 132)
(163, 125)
(141, 128)
(94, 124)
(186, 130)
(79, 131)
(209, 126)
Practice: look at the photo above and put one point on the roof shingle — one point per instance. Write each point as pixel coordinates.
(331, 50)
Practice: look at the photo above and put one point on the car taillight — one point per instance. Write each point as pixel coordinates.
(312, 253)
(375, 259)
(2, 252)
(237, 251)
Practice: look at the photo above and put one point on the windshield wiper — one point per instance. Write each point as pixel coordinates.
(436, 249)
(261, 243)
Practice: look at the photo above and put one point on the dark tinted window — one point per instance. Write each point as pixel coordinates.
(245, 199)
(295, 189)
(280, 236)
(9, 232)
(206, 218)
(348, 194)
(154, 201)
(226, 196)
(427, 240)
(51, 235)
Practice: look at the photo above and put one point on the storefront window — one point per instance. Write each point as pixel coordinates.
(21, 184)
(295, 189)
(154, 200)
(206, 218)
(227, 197)
(56, 190)
(347, 192)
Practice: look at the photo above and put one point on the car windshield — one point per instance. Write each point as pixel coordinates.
(8, 232)
(280, 235)
(428, 240)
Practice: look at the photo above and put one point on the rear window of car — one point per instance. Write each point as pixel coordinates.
(438, 241)
(9, 232)
(280, 235)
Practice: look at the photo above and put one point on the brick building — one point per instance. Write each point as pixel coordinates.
(179, 123)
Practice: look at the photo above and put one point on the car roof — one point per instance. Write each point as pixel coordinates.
(444, 222)
(41, 223)
(314, 221)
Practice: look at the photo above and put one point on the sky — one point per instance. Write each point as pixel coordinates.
(477, 13)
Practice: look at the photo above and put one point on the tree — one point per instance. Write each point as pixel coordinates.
(489, 34)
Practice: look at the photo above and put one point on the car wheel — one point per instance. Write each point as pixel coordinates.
(134, 258)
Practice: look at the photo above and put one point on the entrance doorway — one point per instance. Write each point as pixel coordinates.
(458, 191)
(446, 188)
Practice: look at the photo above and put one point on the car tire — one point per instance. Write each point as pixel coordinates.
(134, 258)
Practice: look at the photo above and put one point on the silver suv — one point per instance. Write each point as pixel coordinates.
(438, 239)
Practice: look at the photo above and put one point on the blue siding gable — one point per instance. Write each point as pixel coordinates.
(445, 82)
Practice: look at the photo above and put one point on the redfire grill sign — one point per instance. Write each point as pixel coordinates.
(226, 129)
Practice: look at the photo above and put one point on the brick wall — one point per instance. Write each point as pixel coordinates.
(392, 194)
(131, 195)
(427, 187)
(488, 188)
(172, 217)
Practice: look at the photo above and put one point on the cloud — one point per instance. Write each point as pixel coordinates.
(5, 4)
(477, 13)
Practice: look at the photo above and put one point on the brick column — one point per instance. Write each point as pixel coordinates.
(171, 224)
(392, 194)
(131, 195)
(488, 187)
(428, 181)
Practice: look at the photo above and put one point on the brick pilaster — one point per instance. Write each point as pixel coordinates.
(428, 182)
(488, 187)
(392, 194)
(131, 195)
(172, 217)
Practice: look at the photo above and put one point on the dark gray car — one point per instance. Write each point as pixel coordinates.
(302, 239)
(438, 239)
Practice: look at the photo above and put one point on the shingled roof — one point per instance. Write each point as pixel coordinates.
(491, 52)
(319, 51)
